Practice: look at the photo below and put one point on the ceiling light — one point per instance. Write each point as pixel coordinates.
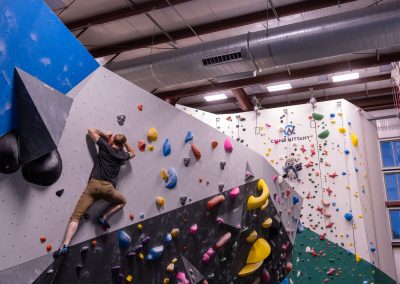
(280, 87)
(215, 97)
(345, 77)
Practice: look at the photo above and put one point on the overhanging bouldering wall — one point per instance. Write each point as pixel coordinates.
(100, 101)
(35, 40)
(337, 179)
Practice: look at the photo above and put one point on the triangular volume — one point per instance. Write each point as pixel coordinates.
(249, 173)
(192, 272)
(233, 218)
(42, 113)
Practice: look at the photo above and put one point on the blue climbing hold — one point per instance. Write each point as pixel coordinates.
(155, 253)
(166, 147)
(285, 281)
(124, 239)
(356, 170)
(346, 152)
(343, 173)
(295, 200)
(332, 115)
(300, 227)
(189, 137)
(334, 203)
(168, 239)
(172, 178)
(348, 216)
(372, 248)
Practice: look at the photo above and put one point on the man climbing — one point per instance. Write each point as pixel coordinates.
(102, 181)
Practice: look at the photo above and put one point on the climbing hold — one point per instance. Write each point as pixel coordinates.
(45, 170)
(121, 119)
(181, 277)
(166, 280)
(131, 216)
(140, 227)
(170, 267)
(228, 145)
(152, 134)
(164, 174)
(124, 240)
(160, 201)
(150, 148)
(168, 239)
(295, 200)
(331, 271)
(234, 192)
(42, 239)
(249, 173)
(354, 139)
(140, 107)
(94, 243)
(129, 278)
(222, 165)
(333, 175)
(208, 255)
(141, 145)
(267, 223)
(317, 116)
(214, 144)
(220, 187)
(84, 249)
(264, 206)
(60, 192)
(78, 267)
(166, 147)
(186, 161)
(49, 247)
(155, 253)
(172, 178)
(256, 202)
(252, 237)
(141, 215)
(175, 232)
(249, 269)
(223, 240)
(358, 258)
(342, 130)
(189, 137)
(215, 201)
(182, 199)
(196, 152)
(300, 227)
(266, 278)
(348, 216)
(9, 155)
(193, 229)
(259, 251)
(324, 134)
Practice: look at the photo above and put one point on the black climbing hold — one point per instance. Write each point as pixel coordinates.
(9, 157)
(186, 162)
(42, 114)
(222, 165)
(60, 192)
(183, 199)
(45, 170)
(84, 249)
(79, 267)
(121, 119)
(220, 187)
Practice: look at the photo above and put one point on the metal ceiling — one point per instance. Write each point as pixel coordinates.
(120, 30)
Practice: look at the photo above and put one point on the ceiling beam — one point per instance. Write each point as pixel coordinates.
(243, 99)
(324, 86)
(211, 27)
(121, 13)
(358, 98)
(284, 76)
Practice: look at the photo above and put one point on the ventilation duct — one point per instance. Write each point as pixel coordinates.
(359, 30)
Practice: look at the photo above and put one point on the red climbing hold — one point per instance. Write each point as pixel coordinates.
(49, 247)
(302, 149)
(313, 152)
(141, 145)
(131, 216)
(330, 225)
(333, 175)
(214, 144)
(42, 239)
(329, 191)
(309, 164)
(94, 243)
(140, 107)
(322, 236)
(196, 152)
(331, 271)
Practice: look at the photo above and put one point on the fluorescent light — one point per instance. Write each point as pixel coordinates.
(280, 87)
(345, 77)
(215, 97)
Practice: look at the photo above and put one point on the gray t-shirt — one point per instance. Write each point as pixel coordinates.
(108, 162)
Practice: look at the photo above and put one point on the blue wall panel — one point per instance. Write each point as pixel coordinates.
(35, 40)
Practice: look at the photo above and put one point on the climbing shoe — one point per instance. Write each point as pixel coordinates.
(61, 251)
(103, 222)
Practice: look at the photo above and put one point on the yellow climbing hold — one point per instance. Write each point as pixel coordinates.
(164, 174)
(129, 278)
(333, 121)
(170, 267)
(354, 139)
(265, 205)
(267, 223)
(252, 237)
(166, 280)
(175, 260)
(259, 251)
(358, 257)
(140, 226)
(160, 201)
(150, 148)
(248, 269)
(152, 134)
(342, 130)
(175, 232)
(141, 256)
(256, 202)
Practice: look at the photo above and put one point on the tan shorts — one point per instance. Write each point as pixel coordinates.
(95, 190)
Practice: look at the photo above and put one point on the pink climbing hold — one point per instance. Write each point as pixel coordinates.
(193, 229)
(228, 145)
(208, 255)
(275, 178)
(181, 277)
(234, 192)
(223, 240)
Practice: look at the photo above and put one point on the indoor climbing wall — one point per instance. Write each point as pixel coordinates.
(199, 162)
(334, 177)
(35, 40)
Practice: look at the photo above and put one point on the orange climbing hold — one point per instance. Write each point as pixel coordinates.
(214, 144)
(196, 152)
(49, 247)
(215, 201)
(94, 243)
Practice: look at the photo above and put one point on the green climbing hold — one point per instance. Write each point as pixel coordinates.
(324, 134)
(317, 116)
